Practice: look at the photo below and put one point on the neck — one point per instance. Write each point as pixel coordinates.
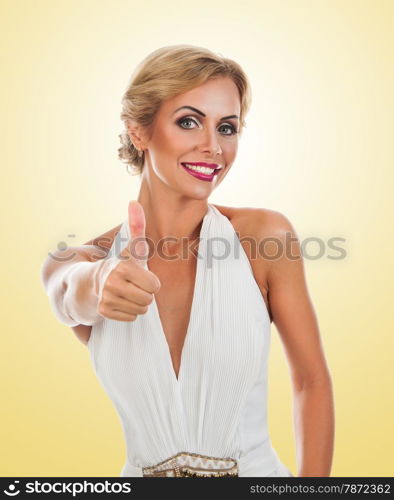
(171, 216)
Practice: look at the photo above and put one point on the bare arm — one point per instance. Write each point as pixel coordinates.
(297, 324)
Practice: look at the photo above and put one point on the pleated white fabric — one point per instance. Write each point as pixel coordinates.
(217, 405)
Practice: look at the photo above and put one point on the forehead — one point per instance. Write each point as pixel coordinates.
(219, 95)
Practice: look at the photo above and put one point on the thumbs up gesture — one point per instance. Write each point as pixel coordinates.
(128, 288)
(137, 247)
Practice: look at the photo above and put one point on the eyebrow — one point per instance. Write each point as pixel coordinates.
(203, 114)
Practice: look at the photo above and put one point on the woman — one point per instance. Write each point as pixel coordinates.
(180, 343)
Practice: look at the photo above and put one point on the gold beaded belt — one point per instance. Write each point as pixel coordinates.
(192, 465)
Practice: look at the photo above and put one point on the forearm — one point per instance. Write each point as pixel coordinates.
(314, 428)
(73, 286)
(80, 299)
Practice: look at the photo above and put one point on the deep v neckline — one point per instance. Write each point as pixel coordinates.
(189, 329)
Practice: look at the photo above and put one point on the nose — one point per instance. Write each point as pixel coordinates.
(210, 143)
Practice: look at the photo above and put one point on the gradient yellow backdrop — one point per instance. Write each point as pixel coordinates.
(318, 147)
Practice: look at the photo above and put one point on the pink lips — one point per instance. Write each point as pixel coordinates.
(203, 164)
(200, 175)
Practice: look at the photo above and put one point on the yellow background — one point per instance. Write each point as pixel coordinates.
(318, 147)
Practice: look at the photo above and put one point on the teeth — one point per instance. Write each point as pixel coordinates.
(204, 170)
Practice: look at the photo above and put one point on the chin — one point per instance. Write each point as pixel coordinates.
(197, 194)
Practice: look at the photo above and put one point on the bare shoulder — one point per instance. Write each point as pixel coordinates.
(265, 235)
(272, 233)
(258, 222)
(105, 240)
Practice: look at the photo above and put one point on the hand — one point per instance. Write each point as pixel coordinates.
(127, 289)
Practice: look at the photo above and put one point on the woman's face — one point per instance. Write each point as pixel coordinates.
(208, 133)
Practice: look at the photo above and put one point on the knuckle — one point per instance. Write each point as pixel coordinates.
(101, 308)
(149, 299)
(109, 283)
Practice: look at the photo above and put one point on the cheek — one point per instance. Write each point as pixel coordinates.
(230, 148)
(173, 141)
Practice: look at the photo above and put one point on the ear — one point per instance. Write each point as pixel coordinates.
(137, 134)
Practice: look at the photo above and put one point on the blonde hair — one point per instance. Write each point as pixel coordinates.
(165, 73)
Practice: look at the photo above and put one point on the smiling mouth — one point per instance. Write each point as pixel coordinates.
(201, 172)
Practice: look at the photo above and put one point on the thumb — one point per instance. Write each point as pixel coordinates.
(137, 245)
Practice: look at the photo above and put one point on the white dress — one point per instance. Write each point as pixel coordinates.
(218, 404)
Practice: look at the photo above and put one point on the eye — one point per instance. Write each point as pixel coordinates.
(231, 127)
(187, 119)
